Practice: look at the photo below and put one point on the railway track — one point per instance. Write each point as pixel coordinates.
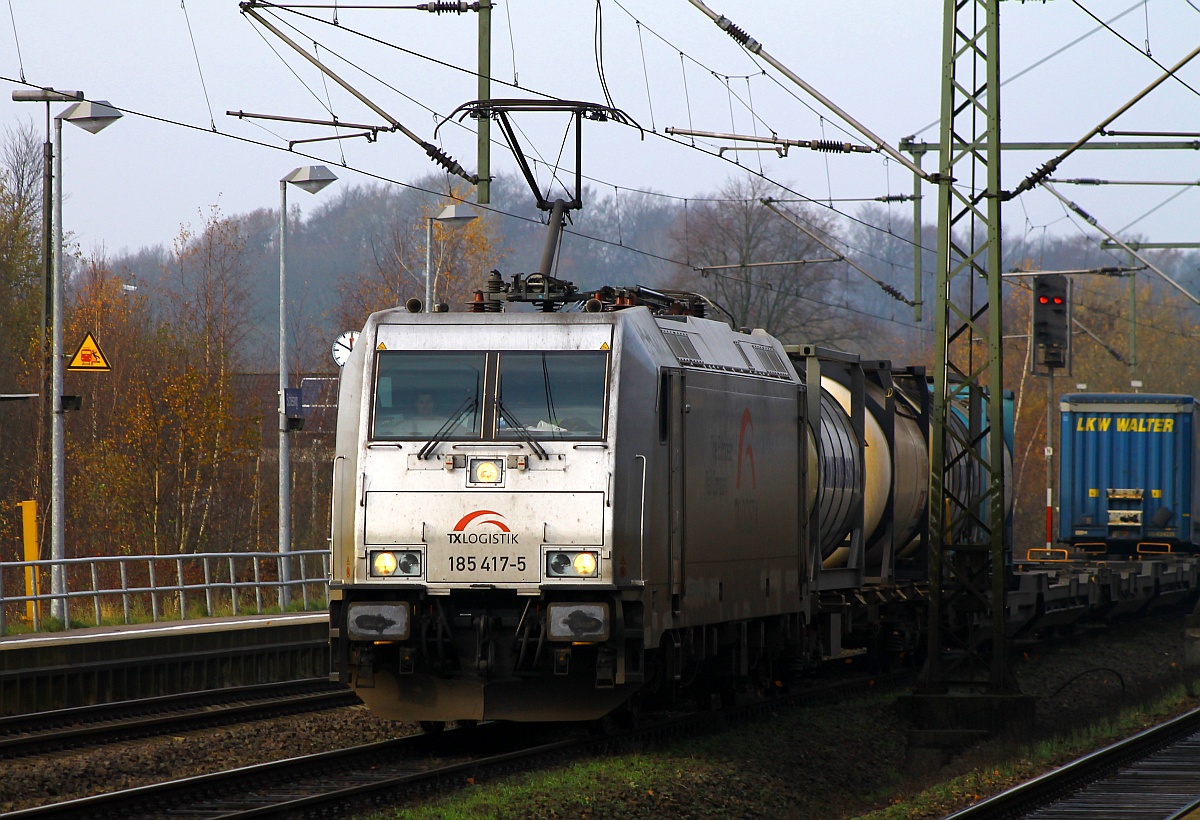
(343, 782)
(45, 732)
(1154, 774)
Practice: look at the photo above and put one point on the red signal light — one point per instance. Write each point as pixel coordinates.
(1058, 300)
(1043, 300)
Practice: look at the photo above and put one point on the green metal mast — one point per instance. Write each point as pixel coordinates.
(967, 518)
(483, 188)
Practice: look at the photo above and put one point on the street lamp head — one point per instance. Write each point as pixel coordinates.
(46, 95)
(92, 116)
(311, 178)
(456, 215)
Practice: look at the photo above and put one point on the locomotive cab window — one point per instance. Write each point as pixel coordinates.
(552, 395)
(420, 394)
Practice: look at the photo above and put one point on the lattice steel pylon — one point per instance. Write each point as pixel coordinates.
(967, 510)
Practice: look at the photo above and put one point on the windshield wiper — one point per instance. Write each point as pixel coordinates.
(449, 424)
(519, 428)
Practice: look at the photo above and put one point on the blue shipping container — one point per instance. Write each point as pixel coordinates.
(1125, 469)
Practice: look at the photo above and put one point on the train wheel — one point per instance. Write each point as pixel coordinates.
(433, 727)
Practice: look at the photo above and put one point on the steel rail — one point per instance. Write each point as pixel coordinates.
(41, 733)
(383, 773)
(1044, 790)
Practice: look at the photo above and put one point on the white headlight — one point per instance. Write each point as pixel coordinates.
(573, 564)
(389, 563)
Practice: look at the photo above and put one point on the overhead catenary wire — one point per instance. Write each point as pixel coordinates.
(1145, 53)
(1050, 56)
(884, 286)
(16, 41)
(1048, 168)
(199, 70)
(1095, 224)
(436, 154)
(754, 47)
(692, 143)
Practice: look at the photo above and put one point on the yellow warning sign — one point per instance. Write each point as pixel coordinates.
(604, 346)
(381, 346)
(89, 357)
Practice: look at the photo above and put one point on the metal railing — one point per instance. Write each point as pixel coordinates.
(127, 589)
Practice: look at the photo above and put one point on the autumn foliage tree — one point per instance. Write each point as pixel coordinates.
(461, 255)
(22, 423)
(158, 462)
(793, 301)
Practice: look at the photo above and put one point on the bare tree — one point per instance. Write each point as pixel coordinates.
(792, 301)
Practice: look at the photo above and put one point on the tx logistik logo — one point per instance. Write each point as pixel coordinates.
(479, 518)
(746, 449)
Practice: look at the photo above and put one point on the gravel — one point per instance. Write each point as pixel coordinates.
(832, 761)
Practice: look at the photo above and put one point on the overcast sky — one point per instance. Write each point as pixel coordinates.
(176, 68)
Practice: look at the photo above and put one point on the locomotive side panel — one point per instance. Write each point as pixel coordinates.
(741, 556)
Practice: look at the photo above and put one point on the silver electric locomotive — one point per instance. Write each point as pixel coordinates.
(537, 515)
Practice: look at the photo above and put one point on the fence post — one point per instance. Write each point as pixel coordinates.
(233, 585)
(153, 593)
(179, 581)
(208, 606)
(96, 593)
(125, 589)
(257, 586)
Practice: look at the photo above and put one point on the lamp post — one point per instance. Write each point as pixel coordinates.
(92, 117)
(310, 178)
(454, 216)
(47, 96)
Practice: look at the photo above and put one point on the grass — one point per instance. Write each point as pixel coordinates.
(827, 761)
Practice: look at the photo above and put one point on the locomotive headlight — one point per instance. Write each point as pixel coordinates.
(585, 564)
(571, 564)
(386, 563)
(383, 563)
(558, 563)
(486, 471)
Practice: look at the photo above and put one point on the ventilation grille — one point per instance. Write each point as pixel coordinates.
(770, 359)
(682, 347)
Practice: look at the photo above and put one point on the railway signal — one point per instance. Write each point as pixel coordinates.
(1051, 320)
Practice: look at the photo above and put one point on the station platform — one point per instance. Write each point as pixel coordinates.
(80, 667)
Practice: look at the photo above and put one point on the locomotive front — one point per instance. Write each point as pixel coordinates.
(473, 566)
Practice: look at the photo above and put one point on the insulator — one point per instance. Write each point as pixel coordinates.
(736, 33)
(495, 282)
(831, 146)
(893, 198)
(449, 163)
(477, 304)
(447, 7)
(892, 292)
